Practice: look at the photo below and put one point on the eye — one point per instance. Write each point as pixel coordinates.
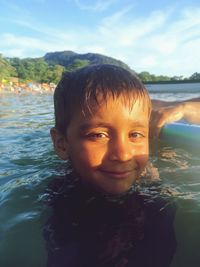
(96, 136)
(136, 135)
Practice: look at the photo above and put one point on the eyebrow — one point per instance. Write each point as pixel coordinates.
(86, 126)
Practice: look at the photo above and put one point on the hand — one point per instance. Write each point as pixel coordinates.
(162, 116)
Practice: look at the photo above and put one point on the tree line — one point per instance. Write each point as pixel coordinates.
(40, 70)
(145, 76)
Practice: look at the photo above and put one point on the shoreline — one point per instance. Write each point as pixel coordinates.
(33, 88)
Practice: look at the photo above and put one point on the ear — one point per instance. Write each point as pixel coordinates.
(60, 144)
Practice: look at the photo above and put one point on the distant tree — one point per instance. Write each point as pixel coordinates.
(195, 76)
(40, 70)
(77, 64)
(177, 78)
(24, 68)
(56, 73)
(51, 67)
(162, 78)
(6, 69)
(31, 69)
(145, 76)
(153, 78)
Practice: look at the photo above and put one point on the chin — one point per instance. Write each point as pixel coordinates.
(114, 191)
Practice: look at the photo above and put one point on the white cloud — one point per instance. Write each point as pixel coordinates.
(160, 43)
(22, 46)
(148, 61)
(164, 42)
(126, 32)
(116, 17)
(91, 5)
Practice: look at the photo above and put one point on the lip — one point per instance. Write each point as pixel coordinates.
(117, 175)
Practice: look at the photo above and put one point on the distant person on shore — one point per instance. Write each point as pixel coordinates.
(100, 217)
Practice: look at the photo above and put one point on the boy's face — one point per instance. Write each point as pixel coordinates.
(109, 148)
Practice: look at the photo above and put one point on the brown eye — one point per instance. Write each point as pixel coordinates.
(136, 135)
(95, 136)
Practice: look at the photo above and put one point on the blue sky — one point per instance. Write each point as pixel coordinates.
(162, 37)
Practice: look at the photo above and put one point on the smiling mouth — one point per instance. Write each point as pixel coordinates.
(117, 175)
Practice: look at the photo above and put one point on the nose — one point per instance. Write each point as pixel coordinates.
(120, 149)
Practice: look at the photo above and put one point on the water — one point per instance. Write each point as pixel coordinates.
(174, 92)
(27, 160)
(175, 87)
(28, 163)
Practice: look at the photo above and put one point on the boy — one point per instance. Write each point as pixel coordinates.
(102, 118)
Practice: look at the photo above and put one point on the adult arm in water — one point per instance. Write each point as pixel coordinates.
(164, 112)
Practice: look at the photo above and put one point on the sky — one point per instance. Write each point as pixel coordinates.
(161, 36)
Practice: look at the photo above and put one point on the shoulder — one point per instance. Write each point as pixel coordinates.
(60, 187)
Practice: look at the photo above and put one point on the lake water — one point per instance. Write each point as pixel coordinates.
(28, 163)
(179, 87)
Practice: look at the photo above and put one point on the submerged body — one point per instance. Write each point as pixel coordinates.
(93, 229)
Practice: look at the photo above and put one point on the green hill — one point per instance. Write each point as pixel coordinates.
(70, 59)
(51, 67)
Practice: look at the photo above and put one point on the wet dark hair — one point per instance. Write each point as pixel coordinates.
(80, 88)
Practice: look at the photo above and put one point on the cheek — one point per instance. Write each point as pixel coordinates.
(142, 161)
(142, 156)
(86, 155)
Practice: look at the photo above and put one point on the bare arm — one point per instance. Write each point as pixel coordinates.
(192, 112)
(160, 103)
(165, 112)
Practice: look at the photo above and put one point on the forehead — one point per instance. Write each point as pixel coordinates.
(123, 101)
(114, 108)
